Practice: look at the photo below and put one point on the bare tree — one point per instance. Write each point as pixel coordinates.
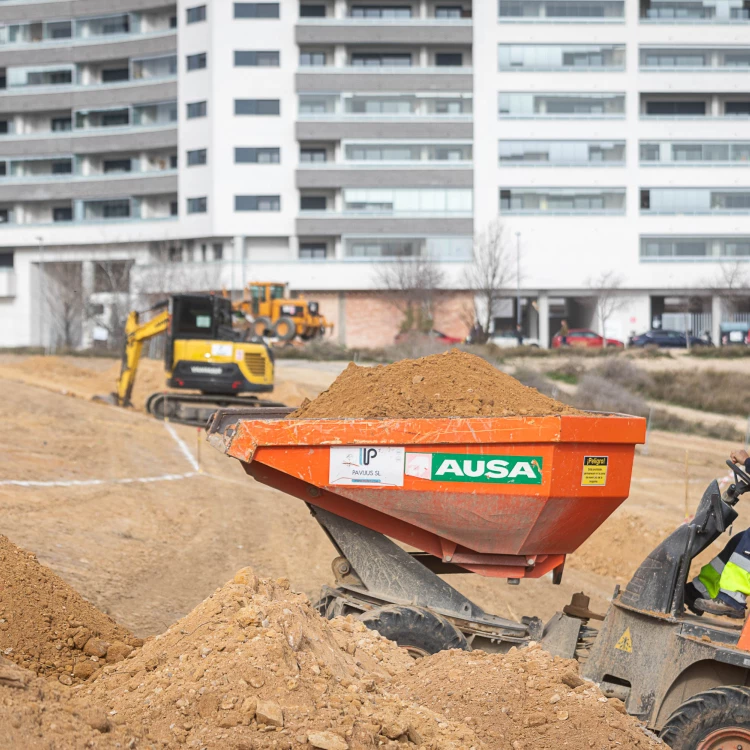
(64, 300)
(731, 282)
(110, 302)
(608, 298)
(412, 283)
(490, 273)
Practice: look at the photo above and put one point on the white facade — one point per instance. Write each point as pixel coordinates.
(309, 141)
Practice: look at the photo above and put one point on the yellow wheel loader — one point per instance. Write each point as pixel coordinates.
(274, 314)
(203, 353)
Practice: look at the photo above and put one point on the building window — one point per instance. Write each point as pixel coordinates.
(313, 203)
(197, 205)
(244, 155)
(173, 161)
(449, 59)
(197, 61)
(528, 105)
(3, 168)
(257, 203)
(218, 250)
(381, 11)
(312, 59)
(436, 201)
(312, 11)
(562, 201)
(262, 59)
(257, 107)
(64, 213)
(4, 127)
(448, 11)
(735, 109)
(173, 208)
(61, 124)
(116, 165)
(256, 10)
(555, 11)
(313, 155)
(675, 109)
(197, 158)
(695, 247)
(196, 14)
(561, 56)
(196, 109)
(562, 153)
(696, 201)
(115, 75)
(4, 215)
(6, 260)
(313, 251)
(381, 59)
(64, 166)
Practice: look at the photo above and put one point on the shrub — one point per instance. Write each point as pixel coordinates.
(596, 393)
(733, 351)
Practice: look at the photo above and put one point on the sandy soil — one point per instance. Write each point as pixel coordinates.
(147, 553)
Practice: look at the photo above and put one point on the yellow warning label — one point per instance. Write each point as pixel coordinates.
(594, 470)
(626, 642)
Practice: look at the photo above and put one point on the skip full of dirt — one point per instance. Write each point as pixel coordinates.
(48, 627)
(453, 384)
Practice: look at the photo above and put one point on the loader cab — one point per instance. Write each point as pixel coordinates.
(195, 316)
(263, 295)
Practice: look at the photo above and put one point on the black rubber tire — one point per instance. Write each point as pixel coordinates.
(262, 326)
(285, 329)
(418, 630)
(726, 706)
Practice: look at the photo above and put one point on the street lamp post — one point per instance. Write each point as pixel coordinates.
(518, 279)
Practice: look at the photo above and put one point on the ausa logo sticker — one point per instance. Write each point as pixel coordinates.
(462, 467)
(625, 643)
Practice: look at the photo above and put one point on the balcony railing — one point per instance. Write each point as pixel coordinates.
(79, 177)
(410, 21)
(387, 70)
(34, 89)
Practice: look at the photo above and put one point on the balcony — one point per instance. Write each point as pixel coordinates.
(695, 201)
(561, 11)
(728, 107)
(562, 201)
(671, 12)
(694, 59)
(362, 107)
(105, 29)
(574, 106)
(566, 58)
(695, 154)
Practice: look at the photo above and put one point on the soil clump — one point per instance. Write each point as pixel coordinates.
(49, 628)
(523, 700)
(453, 384)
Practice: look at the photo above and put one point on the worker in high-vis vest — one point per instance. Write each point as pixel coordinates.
(723, 585)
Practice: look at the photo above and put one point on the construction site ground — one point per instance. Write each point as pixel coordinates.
(146, 526)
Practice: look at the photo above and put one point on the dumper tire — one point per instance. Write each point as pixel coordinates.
(420, 631)
(720, 716)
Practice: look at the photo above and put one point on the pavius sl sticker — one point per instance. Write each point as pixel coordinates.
(462, 467)
(371, 465)
(594, 471)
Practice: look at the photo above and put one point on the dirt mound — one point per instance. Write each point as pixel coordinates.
(47, 627)
(523, 700)
(255, 666)
(454, 384)
(37, 715)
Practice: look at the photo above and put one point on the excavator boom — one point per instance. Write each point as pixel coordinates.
(136, 334)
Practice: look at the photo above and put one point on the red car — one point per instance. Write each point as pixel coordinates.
(583, 337)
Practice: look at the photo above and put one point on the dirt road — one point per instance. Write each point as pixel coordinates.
(148, 551)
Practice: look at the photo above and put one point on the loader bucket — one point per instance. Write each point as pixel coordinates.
(503, 497)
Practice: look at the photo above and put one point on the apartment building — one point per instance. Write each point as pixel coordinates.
(201, 145)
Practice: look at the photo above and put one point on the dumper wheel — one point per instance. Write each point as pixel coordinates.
(715, 720)
(418, 630)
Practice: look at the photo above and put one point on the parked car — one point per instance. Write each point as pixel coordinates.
(508, 339)
(583, 337)
(443, 338)
(666, 339)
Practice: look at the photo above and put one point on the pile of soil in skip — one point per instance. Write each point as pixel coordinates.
(453, 384)
(36, 714)
(50, 629)
(523, 700)
(255, 666)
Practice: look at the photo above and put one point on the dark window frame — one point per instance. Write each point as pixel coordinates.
(257, 10)
(196, 14)
(257, 58)
(196, 157)
(197, 61)
(252, 155)
(197, 205)
(254, 202)
(201, 107)
(257, 107)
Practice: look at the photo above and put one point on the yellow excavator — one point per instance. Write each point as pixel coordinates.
(276, 315)
(203, 353)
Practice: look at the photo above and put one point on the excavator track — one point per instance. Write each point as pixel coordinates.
(195, 409)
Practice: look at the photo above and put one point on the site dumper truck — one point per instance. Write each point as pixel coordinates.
(508, 498)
